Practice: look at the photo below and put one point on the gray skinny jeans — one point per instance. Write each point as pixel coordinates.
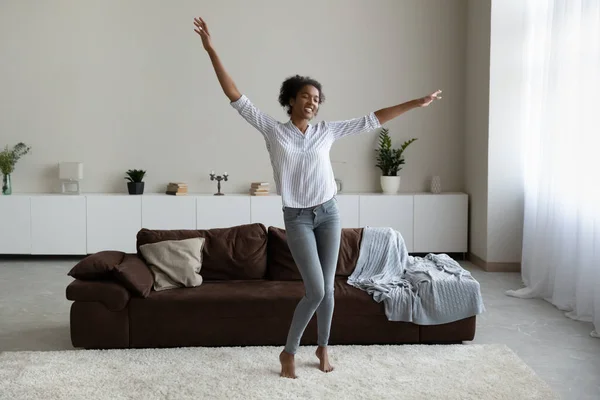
(313, 236)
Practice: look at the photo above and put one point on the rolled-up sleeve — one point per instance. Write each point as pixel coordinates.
(263, 122)
(367, 123)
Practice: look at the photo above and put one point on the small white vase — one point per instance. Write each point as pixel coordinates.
(436, 185)
(390, 184)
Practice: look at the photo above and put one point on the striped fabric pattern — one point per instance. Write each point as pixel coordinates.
(428, 290)
(301, 165)
(379, 271)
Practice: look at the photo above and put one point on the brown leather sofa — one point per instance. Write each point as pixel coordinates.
(249, 291)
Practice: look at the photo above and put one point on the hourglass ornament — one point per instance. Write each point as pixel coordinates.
(218, 179)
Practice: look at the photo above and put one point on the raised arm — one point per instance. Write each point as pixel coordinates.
(386, 114)
(228, 85)
(258, 119)
(376, 119)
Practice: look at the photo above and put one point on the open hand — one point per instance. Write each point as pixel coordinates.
(202, 30)
(427, 100)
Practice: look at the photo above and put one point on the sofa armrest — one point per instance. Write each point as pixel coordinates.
(113, 295)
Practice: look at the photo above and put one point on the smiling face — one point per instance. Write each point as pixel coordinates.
(306, 103)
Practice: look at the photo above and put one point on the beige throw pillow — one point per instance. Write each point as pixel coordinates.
(175, 263)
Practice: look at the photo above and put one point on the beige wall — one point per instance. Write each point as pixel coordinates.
(505, 178)
(126, 84)
(476, 120)
(493, 173)
(121, 85)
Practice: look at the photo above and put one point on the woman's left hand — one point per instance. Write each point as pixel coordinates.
(427, 100)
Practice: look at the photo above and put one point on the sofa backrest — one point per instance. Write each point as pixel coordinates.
(238, 252)
(281, 265)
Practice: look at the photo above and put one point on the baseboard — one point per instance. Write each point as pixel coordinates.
(453, 255)
(494, 266)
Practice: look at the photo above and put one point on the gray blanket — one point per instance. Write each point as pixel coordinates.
(428, 290)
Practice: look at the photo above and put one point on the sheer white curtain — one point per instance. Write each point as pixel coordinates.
(561, 132)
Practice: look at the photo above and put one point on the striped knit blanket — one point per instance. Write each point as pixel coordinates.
(428, 290)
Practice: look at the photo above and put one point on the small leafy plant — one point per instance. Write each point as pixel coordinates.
(9, 158)
(135, 175)
(390, 160)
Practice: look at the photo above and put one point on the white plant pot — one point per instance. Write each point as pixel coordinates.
(436, 185)
(390, 184)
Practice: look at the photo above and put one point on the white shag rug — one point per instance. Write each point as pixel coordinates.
(361, 372)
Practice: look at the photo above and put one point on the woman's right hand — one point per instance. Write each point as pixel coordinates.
(202, 30)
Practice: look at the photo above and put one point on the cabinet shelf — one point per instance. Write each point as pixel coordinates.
(57, 224)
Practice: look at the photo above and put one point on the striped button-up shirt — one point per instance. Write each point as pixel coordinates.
(301, 165)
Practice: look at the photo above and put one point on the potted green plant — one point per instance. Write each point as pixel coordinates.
(136, 181)
(8, 161)
(390, 161)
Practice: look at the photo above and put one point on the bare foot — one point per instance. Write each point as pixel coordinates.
(288, 368)
(324, 359)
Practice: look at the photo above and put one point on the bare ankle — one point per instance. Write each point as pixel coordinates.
(286, 354)
(287, 364)
(323, 356)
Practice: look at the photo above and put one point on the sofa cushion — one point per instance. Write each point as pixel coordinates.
(281, 265)
(175, 263)
(248, 298)
(349, 251)
(134, 274)
(97, 266)
(238, 252)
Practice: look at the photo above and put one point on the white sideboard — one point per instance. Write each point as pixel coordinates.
(15, 225)
(394, 211)
(57, 224)
(104, 214)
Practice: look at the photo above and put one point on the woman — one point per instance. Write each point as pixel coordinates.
(304, 178)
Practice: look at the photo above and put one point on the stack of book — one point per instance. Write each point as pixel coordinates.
(177, 189)
(259, 188)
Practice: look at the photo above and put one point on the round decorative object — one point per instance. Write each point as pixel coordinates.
(436, 185)
(390, 184)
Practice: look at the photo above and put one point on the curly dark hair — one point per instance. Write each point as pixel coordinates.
(292, 85)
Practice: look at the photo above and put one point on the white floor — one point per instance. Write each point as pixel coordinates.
(34, 315)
